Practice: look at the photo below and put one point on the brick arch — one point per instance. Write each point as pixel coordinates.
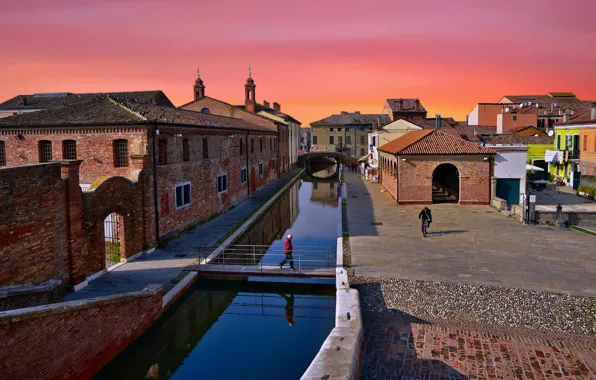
(110, 195)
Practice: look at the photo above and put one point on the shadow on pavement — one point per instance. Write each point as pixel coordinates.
(394, 341)
(447, 232)
(359, 197)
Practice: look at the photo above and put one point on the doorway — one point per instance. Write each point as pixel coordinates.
(112, 236)
(445, 185)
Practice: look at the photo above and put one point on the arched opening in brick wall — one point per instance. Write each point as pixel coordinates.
(113, 239)
(445, 185)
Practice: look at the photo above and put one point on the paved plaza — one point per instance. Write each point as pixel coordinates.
(470, 244)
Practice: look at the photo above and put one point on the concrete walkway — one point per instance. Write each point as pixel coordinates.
(469, 244)
(165, 264)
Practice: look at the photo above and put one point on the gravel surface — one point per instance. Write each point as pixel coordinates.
(478, 303)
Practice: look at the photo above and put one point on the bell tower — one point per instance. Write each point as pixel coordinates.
(199, 87)
(249, 93)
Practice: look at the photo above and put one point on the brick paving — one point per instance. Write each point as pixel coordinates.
(408, 348)
(165, 264)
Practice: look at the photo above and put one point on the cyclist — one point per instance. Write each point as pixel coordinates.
(427, 218)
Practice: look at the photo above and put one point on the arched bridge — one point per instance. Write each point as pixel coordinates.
(320, 157)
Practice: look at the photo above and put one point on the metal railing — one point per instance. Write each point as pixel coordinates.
(259, 257)
(272, 305)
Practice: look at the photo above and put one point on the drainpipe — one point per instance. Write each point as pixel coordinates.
(155, 133)
(247, 168)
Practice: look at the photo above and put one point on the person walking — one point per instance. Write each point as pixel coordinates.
(289, 308)
(288, 251)
(426, 218)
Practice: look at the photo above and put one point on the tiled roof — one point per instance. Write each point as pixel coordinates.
(518, 140)
(104, 111)
(547, 109)
(584, 116)
(527, 130)
(432, 142)
(260, 107)
(474, 132)
(408, 104)
(552, 97)
(349, 118)
(447, 124)
(55, 100)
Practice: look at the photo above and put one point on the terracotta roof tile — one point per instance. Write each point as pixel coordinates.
(518, 140)
(432, 142)
(409, 105)
(351, 118)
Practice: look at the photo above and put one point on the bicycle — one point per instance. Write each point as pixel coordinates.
(424, 226)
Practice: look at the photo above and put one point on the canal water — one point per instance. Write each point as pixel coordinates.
(252, 327)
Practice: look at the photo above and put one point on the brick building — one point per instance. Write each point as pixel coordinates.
(148, 172)
(431, 166)
(253, 112)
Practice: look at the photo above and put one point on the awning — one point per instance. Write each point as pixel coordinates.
(533, 168)
(551, 156)
(363, 159)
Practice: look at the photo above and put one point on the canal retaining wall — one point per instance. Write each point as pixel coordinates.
(340, 356)
(73, 340)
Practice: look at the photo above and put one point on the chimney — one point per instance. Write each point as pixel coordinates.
(266, 104)
(401, 104)
(276, 106)
(438, 121)
(567, 116)
(593, 114)
(358, 112)
(417, 106)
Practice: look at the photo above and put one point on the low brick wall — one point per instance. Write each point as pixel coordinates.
(21, 296)
(340, 357)
(574, 218)
(73, 340)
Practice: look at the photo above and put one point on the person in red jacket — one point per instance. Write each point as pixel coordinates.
(289, 308)
(288, 251)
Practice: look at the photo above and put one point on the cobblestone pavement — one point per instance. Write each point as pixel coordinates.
(403, 347)
(166, 264)
(469, 244)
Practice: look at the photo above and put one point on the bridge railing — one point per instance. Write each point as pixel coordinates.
(262, 257)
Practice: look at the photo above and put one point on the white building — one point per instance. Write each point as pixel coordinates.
(510, 171)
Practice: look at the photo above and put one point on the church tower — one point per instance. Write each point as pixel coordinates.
(199, 87)
(249, 94)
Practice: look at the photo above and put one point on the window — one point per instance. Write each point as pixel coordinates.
(45, 151)
(120, 153)
(243, 175)
(252, 146)
(185, 150)
(340, 140)
(585, 145)
(514, 118)
(271, 143)
(348, 140)
(374, 141)
(558, 142)
(183, 197)
(222, 183)
(315, 139)
(69, 150)
(331, 142)
(261, 171)
(362, 152)
(2, 154)
(205, 149)
(568, 143)
(162, 158)
(261, 144)
(315, 185)
(339, 129)
(241, 147)
(330, 129)
(362, 140)
(205, 110)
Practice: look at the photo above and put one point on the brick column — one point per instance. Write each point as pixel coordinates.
(74, 220)
(143, 163)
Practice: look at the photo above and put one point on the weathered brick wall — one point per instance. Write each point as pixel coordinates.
(223, 157)
(33, 237)
(94, 145)
(416, 178)
(284, 150)
(73, 340)
(223, 109)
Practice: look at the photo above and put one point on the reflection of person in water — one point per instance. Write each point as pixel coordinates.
(289, 308)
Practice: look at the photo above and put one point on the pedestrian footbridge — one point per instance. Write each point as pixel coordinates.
(259, 260)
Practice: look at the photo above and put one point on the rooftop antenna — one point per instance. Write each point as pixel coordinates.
(198, 73)
(249, 73)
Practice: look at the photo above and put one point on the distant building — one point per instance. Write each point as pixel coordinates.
(254, 112)
(305, 138)
(408, 109)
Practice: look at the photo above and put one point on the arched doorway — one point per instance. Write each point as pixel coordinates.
(113, 236)
(445, 186)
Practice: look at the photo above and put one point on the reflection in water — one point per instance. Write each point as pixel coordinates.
(248, 330)
(322, 171)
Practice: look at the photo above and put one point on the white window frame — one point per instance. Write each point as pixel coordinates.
(182, 185)
(244, 170)
(261, 168)
(227, 183)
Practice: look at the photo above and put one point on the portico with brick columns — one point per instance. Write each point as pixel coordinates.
(431, 166)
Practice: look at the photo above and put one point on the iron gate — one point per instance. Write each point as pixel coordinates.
(111, 227)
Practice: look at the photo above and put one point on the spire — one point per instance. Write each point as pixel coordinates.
(199, 87)
(249, 73)
(249, 93)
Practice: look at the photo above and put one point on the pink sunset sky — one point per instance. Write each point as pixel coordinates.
(313, 57)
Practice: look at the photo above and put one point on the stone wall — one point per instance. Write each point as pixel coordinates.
(73, 340)
(499, 204)
(575, 218)
(388, 173)
(33, 225)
